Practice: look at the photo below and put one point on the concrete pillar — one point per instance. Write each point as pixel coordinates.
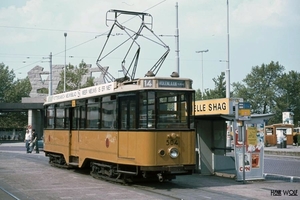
(30, 117)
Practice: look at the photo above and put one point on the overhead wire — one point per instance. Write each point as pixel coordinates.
(59, 30)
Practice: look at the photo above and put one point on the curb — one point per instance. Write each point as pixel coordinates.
(282, 177)
(285, 153)
(225, 175)
(292, 179)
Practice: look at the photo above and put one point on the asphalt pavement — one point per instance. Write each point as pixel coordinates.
(290, 150)
(17, 170)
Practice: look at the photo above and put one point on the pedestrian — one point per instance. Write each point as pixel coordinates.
(27, 140)
(34, 142)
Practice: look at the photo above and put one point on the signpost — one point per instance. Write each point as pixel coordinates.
(249, 145)
(243, 114)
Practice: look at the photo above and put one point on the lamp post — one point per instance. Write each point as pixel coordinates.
(227, 79)
(228, 66)
(202, 51)
(65, 34)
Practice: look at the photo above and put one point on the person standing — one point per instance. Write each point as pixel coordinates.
(34, 142)
(27, 140)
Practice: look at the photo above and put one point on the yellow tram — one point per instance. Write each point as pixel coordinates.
(128, 127)
(141, 128)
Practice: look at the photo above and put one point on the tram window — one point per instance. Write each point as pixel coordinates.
(143, 110)
(151, 110)
(109, 115)
(93, 116)
(190, 109)
(75, 118)
(82, 117)
(106, 99)
(59, 119)
(132, 114)
(93, 100)
(172, 111)
(50, 116)
(67, 119)
(146, 109)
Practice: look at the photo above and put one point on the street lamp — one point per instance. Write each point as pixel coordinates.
(65, 34)
(228, 66)
(203, 51)
(227, 79)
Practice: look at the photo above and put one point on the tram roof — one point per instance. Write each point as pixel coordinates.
(145, 83)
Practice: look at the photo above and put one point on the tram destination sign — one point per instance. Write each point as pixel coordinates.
(171, 83)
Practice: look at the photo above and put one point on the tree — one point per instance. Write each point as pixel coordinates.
(20, 88)
(288, 98)
(198, 95)
(269, 90)
(220, 88)
(260, 87)
(218, 92)
(12, 91)
(6, 81)
(74, 77)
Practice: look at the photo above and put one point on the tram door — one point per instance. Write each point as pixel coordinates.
(74, 130)
(127, 124)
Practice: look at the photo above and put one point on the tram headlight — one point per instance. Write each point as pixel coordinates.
(174, 153)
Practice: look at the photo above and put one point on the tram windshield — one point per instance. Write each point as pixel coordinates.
(166, 109)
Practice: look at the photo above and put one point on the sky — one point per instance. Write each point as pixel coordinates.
(260, 31)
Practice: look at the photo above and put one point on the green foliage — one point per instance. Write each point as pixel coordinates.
(220, 88)
(74, 76)
(43, 91)
(6, 82)
(198, 95)
(260, 87)
(266, 87)
(270, 90)
(20, 88)
(288, 96)
(14, 120)
(218, 92)
(12, 91)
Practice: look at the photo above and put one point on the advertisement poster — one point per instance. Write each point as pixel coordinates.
(247, 162)
(253, 153)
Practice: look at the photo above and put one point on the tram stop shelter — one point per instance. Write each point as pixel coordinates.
(214, 122)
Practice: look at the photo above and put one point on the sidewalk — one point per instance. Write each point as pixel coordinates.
(272, 150)
(17, 147)
(290, 150)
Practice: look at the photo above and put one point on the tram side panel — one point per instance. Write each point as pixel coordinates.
(57, 141)
(129, 148)
(97, 145)
(144, 148)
